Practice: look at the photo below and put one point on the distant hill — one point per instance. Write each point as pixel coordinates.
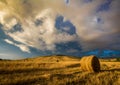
(52, 58)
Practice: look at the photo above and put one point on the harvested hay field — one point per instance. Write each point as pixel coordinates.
(56, 70)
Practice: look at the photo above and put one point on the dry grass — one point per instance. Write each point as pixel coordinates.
(56, 70)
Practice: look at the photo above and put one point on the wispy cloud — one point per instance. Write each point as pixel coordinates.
(24, 48)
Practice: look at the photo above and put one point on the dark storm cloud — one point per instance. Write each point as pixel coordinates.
(92, 29)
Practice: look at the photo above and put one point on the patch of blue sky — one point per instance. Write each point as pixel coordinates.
(87, 1)
(67, 1)
(11, 51)
(110, 53)
(16, 28)
(65, 26)
(36, 52)
(63, 48)
(104, 6)
(92, 52)
(2, 34)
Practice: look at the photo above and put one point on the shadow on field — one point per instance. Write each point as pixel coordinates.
(111, 70)
(34, 81)
(73, 66)
(28, 70)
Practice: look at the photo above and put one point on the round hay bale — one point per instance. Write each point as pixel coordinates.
(90, 63)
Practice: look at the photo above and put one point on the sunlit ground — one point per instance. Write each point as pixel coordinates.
(57, 70)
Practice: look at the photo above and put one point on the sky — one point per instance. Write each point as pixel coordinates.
(69, 27)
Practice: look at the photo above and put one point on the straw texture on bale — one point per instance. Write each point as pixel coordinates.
(90, 63)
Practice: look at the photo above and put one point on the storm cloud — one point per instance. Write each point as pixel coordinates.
(95, 28)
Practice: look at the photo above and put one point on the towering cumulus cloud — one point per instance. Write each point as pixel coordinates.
(31, 23)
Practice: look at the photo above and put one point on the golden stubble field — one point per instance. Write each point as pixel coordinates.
(57, 70)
